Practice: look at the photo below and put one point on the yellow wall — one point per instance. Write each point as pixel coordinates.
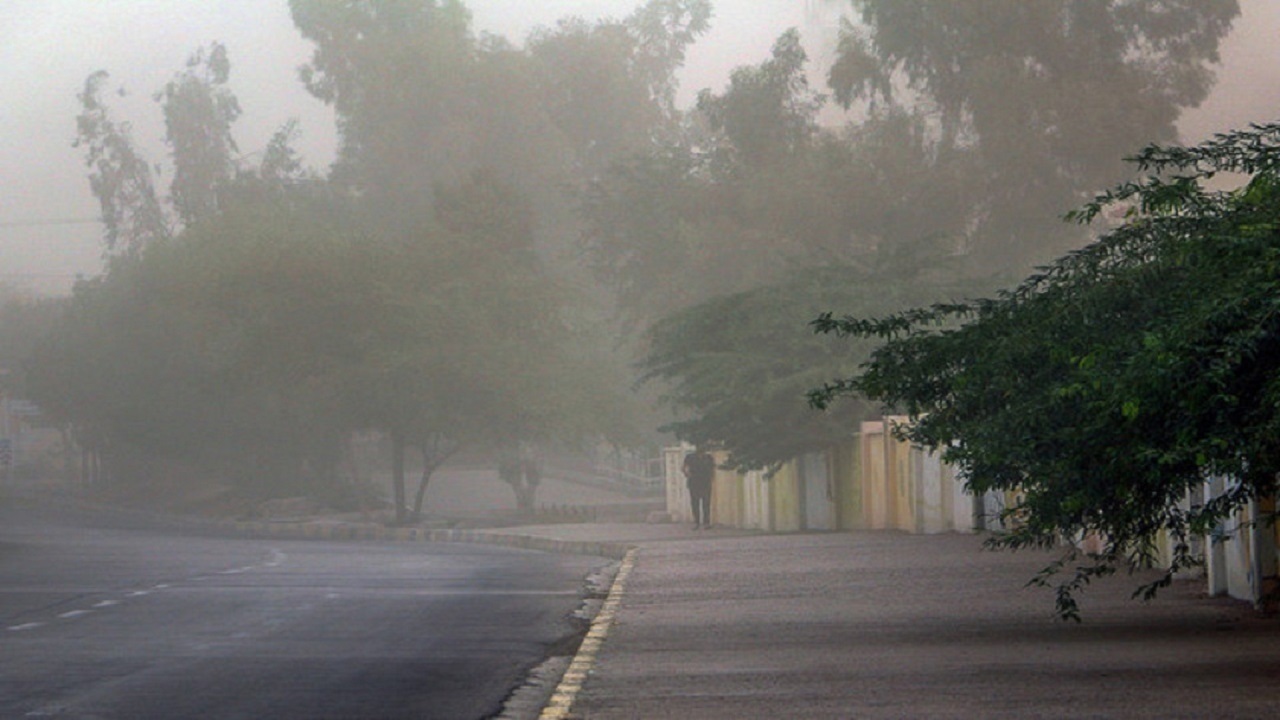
(900, 478)
(726, 495)
(844, 472)
(785, 488)
(875, 498)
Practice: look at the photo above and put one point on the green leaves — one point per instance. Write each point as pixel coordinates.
(741, 368)
(1110, 386)
(1130, 409)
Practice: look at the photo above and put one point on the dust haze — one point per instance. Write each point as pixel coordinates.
(440, 260)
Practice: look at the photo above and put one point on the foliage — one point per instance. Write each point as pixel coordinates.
(198, 113)
(671, 230)
(738, 366)
(663, 30)
(768, 109)
(222, 350)
(983, 119)
(199, 110)
(467, 146)
(119, 176)
(422, 102)
(609, 87)
(250, 346)
(1051, 94)
(24, 322)
(1108, 389)
(398, 76)
(726, 246)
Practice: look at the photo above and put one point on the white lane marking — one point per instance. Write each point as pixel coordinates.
(274, 559)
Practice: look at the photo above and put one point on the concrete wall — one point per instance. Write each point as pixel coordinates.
(875, 486)
(678, 507)
(1240, 555)
(846, 471)
(933, 501)
(901, 476)
(785, 497)
(819, 510)
(757, 508)
(726, 495)
(872, 481)
(875, 481)
(748, 500)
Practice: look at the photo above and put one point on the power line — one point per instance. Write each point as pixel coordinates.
(41, 276)
(41, 222)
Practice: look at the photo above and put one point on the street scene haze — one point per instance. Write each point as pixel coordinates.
(639, 358)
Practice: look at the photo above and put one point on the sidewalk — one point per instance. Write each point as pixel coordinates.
(727, 624)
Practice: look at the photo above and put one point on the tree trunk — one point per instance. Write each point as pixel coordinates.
(68, 456)
(524, 499)
(397, 475)
(435, 450)
(428, 468)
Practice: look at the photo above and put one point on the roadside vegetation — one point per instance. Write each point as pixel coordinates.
(534, 244)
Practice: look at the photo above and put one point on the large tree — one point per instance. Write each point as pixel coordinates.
(1111, 387)
(736, 368)
(397, 75)
(425, 108)
(1051, 94)
(119, 175)
(223, 350)
(482, 360)
(757, 188)
(610, 85)
(199, 111)
(422, 101)
(724, 247)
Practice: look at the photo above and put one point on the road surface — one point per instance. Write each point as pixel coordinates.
(110, 622)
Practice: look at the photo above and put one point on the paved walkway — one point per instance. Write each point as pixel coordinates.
(726, 624)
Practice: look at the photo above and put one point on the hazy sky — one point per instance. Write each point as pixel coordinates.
(48, 48)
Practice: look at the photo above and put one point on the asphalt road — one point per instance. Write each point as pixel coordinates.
(103, 621)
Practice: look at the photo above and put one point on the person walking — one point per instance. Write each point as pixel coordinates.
(699, 470)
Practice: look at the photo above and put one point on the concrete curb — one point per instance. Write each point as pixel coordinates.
(560, 705)
(302, 529)
(378, 533)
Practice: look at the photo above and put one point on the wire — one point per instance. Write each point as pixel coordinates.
(50, 221)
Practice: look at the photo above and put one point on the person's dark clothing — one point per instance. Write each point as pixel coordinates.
(699, 470)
